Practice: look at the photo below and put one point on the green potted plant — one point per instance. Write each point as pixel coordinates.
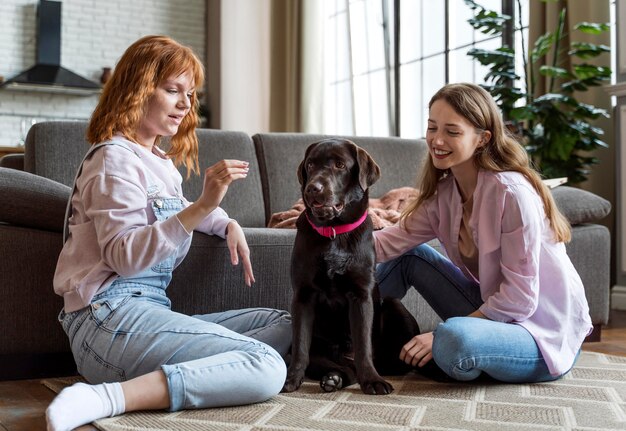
(556, 129)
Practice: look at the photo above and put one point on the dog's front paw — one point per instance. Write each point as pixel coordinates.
(377, 387)
(293, 382)
(331, 382)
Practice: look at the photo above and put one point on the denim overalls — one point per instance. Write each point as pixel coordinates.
(211, 360)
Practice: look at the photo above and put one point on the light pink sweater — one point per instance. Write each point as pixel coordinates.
(113, 231)
(525, 277)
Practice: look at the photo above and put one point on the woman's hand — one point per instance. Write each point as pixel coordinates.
(217, 178)
(418, 351)
(236, 241)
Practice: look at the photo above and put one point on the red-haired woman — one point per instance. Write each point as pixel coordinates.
(129, 227)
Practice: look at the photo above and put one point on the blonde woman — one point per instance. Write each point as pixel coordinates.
(513, 305)
(129, 228)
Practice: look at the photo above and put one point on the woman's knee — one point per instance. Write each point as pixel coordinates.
(449, 338)
(453, 349)
(248, 376)
(396, 276)
(272, 372)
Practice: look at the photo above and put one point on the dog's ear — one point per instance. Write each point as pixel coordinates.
(301, 167)
(301, 172)
(369, 172)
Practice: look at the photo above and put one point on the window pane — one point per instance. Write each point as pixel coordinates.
(338, 109)
(361, 105)
(410, 30)
(432, 26)
(434, 78)
(411, 115)
(336, 52)
(461, 66)
(366, 36)
(334, 6)
(358, 37)
(380, 104)
(370, 104)
(374, 34)
(461, 33)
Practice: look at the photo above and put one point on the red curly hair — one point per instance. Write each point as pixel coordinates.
(143, 66)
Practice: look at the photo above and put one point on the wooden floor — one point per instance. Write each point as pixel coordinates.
(23, 402)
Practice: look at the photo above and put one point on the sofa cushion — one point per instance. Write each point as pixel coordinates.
(580, 206)
(32, 201)
(54, 149)
(244, 199)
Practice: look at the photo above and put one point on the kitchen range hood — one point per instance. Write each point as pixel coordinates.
(47, 75)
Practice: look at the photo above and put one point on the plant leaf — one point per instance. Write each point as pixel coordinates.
(552, 97)
(585, 71)
(486, 21)
(590, 111)
(592, 27)
(542, 46)
(555, 72)
(587, 50)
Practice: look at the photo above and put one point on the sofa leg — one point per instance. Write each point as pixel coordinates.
(595, 335)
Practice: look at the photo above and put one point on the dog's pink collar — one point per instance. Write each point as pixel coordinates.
(332, 231)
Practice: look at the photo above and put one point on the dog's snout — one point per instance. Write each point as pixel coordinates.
(314, 187)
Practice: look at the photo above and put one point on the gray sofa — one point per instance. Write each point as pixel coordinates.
(35, 188)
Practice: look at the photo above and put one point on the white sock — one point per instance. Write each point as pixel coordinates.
(81, 404)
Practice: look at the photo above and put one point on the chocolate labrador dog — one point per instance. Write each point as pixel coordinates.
(342, 333)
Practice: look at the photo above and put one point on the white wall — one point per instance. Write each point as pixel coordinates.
(245, 70)
(94, 35)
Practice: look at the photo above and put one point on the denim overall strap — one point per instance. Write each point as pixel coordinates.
(155, 279)
(92, 150)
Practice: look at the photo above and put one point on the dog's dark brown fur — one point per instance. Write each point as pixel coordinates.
(340, 329)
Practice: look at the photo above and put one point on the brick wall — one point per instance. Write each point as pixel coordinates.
(94, 35)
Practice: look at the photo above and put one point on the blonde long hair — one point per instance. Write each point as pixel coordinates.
(143, 66)
(501, 153)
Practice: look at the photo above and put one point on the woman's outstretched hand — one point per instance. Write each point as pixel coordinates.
(217, 178)
(418, 351)
(238, 246)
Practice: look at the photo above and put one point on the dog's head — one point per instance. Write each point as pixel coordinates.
(334, 173)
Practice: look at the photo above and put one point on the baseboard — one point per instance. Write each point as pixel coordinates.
(17, 366)
(618, 297)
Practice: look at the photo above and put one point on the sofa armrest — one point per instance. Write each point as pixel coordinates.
(12, 161)
(590, 252)
(207, 282)
(32, 201)
(580, 206)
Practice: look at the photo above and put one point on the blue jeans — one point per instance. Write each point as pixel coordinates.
(463, 347)
(211, 360)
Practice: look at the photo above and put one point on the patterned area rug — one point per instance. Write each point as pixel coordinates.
(591, 397)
